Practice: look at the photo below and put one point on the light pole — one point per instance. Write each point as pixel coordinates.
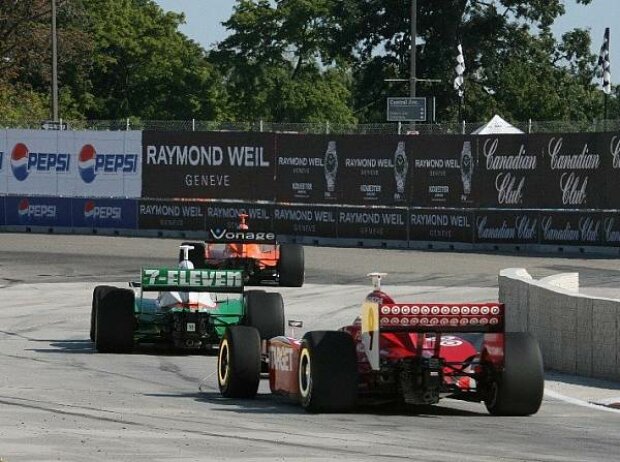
(54, 65)
(414, 34)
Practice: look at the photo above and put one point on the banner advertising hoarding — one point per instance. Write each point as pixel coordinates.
(171, 215)
(506, 227)
(311, 221)
(2, 211)
(571, 228)
(219, 215)
(73, 163)
(572, 174)
(104, 213)
(38, 211)
(508, 175)
(444, 171)
(441, 225)
(608, 145)
(611, 229)
(4, 162)
(372, 223)
(208, 165)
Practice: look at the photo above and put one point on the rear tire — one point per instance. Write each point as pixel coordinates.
(291, 270)
(196, 255)
(115, 321)
(328, 372)
(265, 312)
(97, 294)
(239, 362)
(518, 389)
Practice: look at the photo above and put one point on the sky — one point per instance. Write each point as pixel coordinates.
(204, 22)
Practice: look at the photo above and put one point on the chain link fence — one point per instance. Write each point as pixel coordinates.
(448, 128)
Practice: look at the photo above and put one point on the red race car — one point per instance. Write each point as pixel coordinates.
(413, 353)
(258, 254)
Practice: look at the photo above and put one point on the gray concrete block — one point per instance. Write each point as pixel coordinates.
(584, 336)
(605, 315)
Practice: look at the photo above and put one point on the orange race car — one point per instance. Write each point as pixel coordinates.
(258, 254)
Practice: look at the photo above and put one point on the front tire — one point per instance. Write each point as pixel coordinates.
(115, 321)
(328, 372)
(238, 362)
(291, 270)
(265, 312)
(518, 389)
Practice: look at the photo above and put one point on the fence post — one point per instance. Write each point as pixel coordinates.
(463, 129)
(60, 124)
(529, 126)
(400, 127)
(193, 125)
(327, 127)
(127, 124)
(260, 125)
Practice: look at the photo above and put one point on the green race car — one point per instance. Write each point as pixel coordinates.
(191, 311)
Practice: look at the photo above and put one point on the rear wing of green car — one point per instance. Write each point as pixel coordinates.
(191, 280)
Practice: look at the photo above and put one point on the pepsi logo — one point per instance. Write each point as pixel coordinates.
(94, 212)
(91, 163)
(26, 211)
(19, 162)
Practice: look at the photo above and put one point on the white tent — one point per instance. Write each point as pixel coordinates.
(497, 126)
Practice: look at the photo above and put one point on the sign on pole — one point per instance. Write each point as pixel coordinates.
(406, 109)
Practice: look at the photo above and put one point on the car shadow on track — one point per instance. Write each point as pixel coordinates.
(270, 404)
(85, 346)
(66, 346)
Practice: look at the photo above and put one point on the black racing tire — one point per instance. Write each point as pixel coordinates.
(291, 270)
(196, 255)
(265, 312)
(115, 321)
(239, 362)
(328, 372)
(518, 389)
(98, 292)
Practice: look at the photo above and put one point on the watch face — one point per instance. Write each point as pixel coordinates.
(466, 162)
(401, 164)
(331, 162)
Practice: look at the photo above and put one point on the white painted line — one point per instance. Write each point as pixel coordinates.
(579, 402)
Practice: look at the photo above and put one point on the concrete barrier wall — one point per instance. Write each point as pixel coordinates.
(578, 334)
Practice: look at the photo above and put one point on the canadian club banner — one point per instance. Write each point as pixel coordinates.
(611, 229)
(509, 174)
(220, 215)
(371, 223)
(313, 221)
(571, 228)
(609, 148)
(171, 215)
(572, 173)
(208, 165)
(444, 171)
(506, 227)
(354, 169)
(441, 225)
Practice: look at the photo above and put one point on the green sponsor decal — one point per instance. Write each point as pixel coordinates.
(162, 277)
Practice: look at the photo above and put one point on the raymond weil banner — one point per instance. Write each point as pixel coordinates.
(372, 223)
(226, 215)
(444, 171)
(509, 176)
(441, 225)
(208, 165)
(314, 221)
(104, 213)
(72, 163)
(171, 215)
(571, 171)
(571, 228)
(38, 211)
(506, 227)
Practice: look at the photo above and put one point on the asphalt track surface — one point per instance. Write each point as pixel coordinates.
(59, 400)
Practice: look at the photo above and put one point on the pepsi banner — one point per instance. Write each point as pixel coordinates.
(221, 215)
(311, 221)
(506, 227)
(171, 215)
(441, 225)
(4, 160)
(209, 165)
(372, 223)
(73, 163)
(104, 213)
(38, 211)
(444, 171)
(571, 228)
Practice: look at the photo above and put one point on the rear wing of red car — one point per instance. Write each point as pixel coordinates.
(438, 318)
